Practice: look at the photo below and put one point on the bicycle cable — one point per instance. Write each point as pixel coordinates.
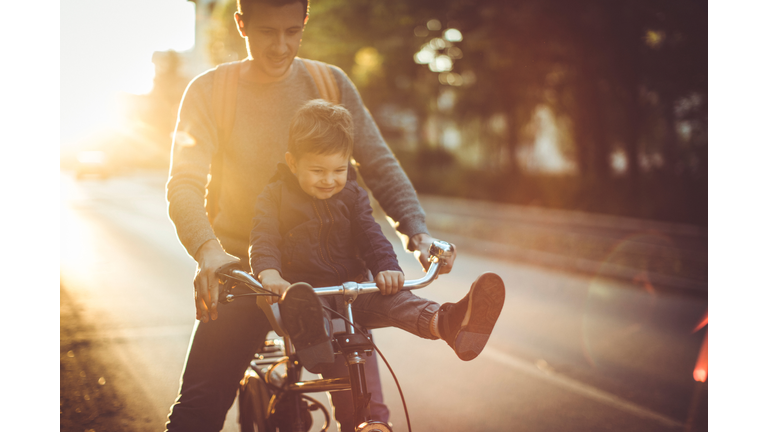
(264, 291)
(391, 371)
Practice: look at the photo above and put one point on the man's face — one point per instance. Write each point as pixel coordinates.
(320, 175)
(273, 35)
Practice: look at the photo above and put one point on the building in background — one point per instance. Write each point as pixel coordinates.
(197, 60)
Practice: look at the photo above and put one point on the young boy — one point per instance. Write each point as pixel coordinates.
(314, 224)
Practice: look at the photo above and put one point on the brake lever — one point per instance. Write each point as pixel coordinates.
(227, 281)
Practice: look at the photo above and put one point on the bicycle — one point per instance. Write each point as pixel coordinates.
(273, 397)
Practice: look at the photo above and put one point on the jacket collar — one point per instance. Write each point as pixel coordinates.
(284, 173)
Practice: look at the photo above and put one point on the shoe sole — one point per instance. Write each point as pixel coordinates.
(486, 299)
(304, 321)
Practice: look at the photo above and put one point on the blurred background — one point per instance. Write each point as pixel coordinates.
(598, 106)
(561, 144)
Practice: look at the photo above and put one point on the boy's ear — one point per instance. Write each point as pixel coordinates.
(240, 24)
(291, 161)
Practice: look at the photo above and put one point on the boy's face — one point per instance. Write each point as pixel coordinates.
(273, 35)
(320, 175)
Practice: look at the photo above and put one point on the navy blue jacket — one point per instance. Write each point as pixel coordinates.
(321, 242)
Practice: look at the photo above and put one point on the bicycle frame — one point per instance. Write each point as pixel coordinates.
(353, 345)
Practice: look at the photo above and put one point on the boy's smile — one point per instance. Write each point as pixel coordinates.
(320, 175)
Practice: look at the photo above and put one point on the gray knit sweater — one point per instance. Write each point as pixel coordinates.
(258, 143)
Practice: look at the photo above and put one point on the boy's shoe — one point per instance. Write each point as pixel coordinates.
(467, 325)
(304, 320)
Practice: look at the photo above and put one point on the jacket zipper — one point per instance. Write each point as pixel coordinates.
(322, 255)
(328, 243)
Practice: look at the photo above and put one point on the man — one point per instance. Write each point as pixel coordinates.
(273, 84)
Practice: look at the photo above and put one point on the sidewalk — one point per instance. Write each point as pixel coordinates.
(665, 255)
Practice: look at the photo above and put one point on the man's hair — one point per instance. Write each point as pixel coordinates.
(320, 127)
(242, 5)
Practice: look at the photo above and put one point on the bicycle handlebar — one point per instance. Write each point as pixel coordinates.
(439, 252)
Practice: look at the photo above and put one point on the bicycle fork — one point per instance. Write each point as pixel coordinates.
(292, 375)
(355, 346)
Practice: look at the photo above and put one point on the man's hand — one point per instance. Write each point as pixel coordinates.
(271, 280)
(389, 281)
(420, 244)
(209, 258)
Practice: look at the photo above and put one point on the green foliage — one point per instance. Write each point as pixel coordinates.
(224, 42)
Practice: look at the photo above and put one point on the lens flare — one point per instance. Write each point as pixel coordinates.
(701, 370)
(700, 375)
(701, 324)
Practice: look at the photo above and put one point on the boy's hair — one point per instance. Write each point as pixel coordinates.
(320, 127)
(243, 4)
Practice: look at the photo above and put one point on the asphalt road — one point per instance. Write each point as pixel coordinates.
(570, 352)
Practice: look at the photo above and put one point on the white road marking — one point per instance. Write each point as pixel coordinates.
(577, 387)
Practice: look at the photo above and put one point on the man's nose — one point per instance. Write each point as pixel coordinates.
(280, 43)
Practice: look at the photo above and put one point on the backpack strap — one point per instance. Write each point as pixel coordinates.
(225, 78)
(324, 80)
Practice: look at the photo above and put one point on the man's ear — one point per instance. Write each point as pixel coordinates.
(291, 161)
(240, 24)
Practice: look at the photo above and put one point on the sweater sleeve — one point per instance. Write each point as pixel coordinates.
(195, 141)
(373, 246)
(264, 251)
(379, 167)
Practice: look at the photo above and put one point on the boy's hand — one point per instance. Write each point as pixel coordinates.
(271, 280)
(390, 281)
